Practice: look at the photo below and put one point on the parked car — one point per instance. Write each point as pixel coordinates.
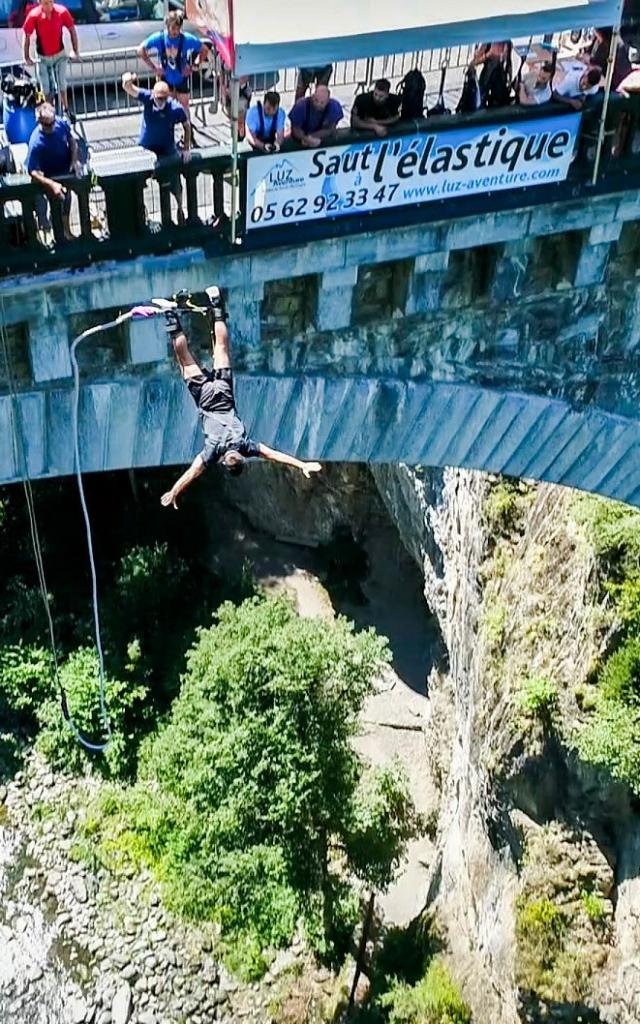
(102, 25)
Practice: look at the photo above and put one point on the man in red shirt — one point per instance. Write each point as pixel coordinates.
(47, 20)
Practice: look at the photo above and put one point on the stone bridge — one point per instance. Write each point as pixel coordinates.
(506, 342)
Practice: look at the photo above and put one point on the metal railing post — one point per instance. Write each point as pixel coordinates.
(235, 106)
(613, 49)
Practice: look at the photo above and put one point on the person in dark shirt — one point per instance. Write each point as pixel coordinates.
(160, 115)
(374, 111)
(598, 56)
(225, 435)
(52, 152)
(315, 118)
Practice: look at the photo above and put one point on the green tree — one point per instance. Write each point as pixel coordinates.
(262, 815)
(125, 701)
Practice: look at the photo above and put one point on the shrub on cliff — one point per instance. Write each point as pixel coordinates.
(540, 934)
(435, 999)
(266, 807)
(611, 736)
(538, 697)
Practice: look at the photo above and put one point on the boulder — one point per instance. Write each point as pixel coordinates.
(121, 1005)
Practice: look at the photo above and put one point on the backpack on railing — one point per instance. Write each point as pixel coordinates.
(411, 91)
(469, 100)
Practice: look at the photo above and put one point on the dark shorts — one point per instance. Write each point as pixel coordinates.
(184, 85)
(320, 76)
(212, 391)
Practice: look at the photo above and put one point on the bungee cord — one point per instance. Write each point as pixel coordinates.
(158, 307)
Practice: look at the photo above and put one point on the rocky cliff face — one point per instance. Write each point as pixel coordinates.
(536, 877)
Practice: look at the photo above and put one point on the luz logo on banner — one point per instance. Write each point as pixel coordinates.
(402, 170)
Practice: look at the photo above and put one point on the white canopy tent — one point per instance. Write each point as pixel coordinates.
(252, 37)
(282, 33)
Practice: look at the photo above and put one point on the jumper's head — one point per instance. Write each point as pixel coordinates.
(271, 102)
(46, 117)
(233, 462)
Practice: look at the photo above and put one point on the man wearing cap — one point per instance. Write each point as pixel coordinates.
(52, 152)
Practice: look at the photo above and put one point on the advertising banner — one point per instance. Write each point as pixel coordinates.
(312, 184)
(213, 18)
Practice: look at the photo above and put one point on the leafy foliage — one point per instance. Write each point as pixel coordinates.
(611, 736)
(258, 806)
(619, 679)
(540, 933)
(435, 999)
(614, 531)
(594, 907)
(79, 676)
(611, 739)
(26, 678)
(501, 508)
(383, 821)
(538, 697)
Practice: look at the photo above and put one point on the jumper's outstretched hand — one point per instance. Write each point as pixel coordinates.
(169, 498)
(311, 467)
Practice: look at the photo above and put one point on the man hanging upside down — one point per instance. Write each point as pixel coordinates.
(225, 435)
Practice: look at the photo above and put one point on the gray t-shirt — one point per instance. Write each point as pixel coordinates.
(224, 431)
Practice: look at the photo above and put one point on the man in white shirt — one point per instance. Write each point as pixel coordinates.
(535, 88)
(576, 85)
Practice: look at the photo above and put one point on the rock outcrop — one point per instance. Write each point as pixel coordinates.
(536, 873)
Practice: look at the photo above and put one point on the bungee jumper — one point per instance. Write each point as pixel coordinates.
(225, 435)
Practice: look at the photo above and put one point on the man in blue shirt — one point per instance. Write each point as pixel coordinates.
(315, 119)
(176, 51)
(160, 115)
(52, 152)
(264, 125)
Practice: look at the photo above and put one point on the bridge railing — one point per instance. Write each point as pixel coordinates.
(136, 211)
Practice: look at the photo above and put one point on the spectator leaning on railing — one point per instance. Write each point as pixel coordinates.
(375, 111)
(160, 115)
(176, 52)
(52, 152)
(535, 87)
(315, 118)
(47, 21)
(577, 84)
(264, 124)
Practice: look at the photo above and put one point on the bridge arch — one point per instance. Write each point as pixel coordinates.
(149, 423)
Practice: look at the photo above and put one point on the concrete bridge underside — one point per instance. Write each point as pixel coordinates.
(150, 423)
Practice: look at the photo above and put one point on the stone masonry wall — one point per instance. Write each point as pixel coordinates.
(542, 302)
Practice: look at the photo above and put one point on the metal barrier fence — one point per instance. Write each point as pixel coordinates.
(159, 207)
(98, 92)
(95, 78)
